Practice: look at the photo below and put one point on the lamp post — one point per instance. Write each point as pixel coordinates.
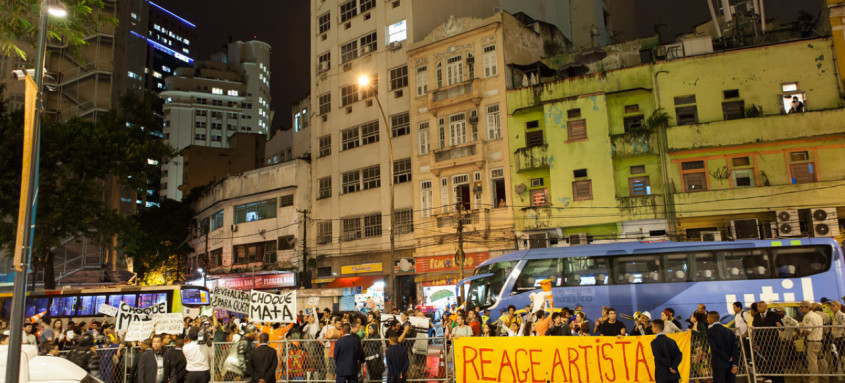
(364, 81)
(28, 197)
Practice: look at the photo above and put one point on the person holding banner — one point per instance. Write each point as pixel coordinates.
(667, 356)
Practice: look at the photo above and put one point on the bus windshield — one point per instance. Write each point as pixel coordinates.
(484, 292)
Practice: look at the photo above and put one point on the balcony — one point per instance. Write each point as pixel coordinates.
(627, 145)
(456, 156)
(779, 127)
(454, 94)
(640, 207)
(535, 157)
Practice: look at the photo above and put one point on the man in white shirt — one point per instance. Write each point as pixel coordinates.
(740, 324)
(838, 329)
(814, 333)
(196, 358)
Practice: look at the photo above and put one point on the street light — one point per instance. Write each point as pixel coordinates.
(29, 187)
(364, 81)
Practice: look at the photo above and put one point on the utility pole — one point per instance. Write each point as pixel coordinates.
(461, 255)
(306, 279)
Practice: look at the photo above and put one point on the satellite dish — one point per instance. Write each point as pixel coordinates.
(520, 188)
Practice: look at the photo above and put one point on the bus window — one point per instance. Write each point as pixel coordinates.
(676, 268)
(129, 299)
(63, 306)
(795, 262)
(100, 299)
(145, 300)
(587, 271)
(638, 269)
(7, 308)
(745, 264)
(536, 270)
(86, 306)
(705, 266)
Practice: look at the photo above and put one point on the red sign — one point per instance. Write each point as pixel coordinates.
(267, 281)
(447, 262)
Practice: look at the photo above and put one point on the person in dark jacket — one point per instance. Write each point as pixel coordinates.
(348, 356)
(667, 356)
(397, 361)
(245, 350)
(558, 327)
(724, 352)
(83, 355)
(151, 363)
(175, 365)
(264, 361)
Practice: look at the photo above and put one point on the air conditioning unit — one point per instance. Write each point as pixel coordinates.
(347, 67)
(788, 223)
(234, 228)
(538, 241)
(711, 236)
(395, 45)
(577, 239)
(769, 230)
(365, 49)
(324, 66)
(745, 229)
(825, 222)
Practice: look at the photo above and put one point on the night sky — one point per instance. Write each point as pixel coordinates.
(285, 24)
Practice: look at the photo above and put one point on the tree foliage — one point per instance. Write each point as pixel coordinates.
(19, 24)
(76, 157)
(158, 242)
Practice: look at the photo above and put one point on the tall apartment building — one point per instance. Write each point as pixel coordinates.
(352, 133)
(207, 103)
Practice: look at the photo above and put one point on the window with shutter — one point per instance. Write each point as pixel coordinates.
(577, 130)
(534, 138)
(582, 190)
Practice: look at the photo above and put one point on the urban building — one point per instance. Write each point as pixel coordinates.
(249, 232)
(286, 143)
(461, 160)
(245, 153)
(647, 145)
(205, 105)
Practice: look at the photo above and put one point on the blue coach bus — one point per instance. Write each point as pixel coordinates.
(638, 276)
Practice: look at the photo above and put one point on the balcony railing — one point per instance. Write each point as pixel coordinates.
(535, 157)
(624, 145)
(455, 91)
(454, 153)
(454, 94)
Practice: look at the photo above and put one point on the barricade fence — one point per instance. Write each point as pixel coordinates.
(812, 351)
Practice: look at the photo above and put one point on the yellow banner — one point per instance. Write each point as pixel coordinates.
(561, 359)
(30, 99)
(365, 268)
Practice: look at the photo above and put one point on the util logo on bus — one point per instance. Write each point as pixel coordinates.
(768, 294)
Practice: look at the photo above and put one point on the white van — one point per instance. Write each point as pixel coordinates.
(44, 369)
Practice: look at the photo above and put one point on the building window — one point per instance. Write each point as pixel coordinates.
(372, 177)
(494, 126)
(422, 80)
(216, 138)
(286, 200)
(426, 199)
(633, 108)
(582, 190)
(324, 22)
(325, 102)
(801, 167)
(351, 229)
(633, 123)
(349, 51)
(325, 145)
(348, 10)
(369, 43)
(732, 110)
(639, 186)
(539, 197)
(438, 75)
(348, 94)
(686, 112)
(399, 77)
(217, 220)
(255, 211)
(287, 242)
(201, 112)
(637, 169)
(397, 32)
(488, 60)
(199, 136)
(424, 137)
(534, 138)
(351, 182)
(576, 130)
(349, 139)
(457, 129)
(498, 189)
(400, 124)
(325, 187)
(404, 221)
(324, 232)
(742, 172)
(369, 133)
(441, 131)
(402, 171)
(216, 91)
(454, 70)
(694, 176)
(366, 5)
(324, 62)
(372, 225)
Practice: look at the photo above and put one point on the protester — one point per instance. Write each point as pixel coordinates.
(348, 356)
(669, 326)
(667, 355)
(642, 326)
(461, 329)
(175, 363)
(28, 336)
(264, 361)
(558, 327)
(330, 333)
(245, 349)
(83, 355)
(397, 361)
(611, 326)
(601, 319)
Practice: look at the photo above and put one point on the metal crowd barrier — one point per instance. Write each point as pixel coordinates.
(700, 369)
(788, 351)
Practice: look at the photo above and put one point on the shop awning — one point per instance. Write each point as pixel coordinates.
(364, 281)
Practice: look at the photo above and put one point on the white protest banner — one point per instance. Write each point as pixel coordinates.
(107, 309)
(128, 314)
(274, 308)
(139, 330)
(313, 301)
(539, 300)
(415, 321)
(230, 300)
(419, 322)
(191, 312)
(169, 323)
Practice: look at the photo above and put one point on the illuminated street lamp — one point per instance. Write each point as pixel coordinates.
(364, 81)
(29, 187)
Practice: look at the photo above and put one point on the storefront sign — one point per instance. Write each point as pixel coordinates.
(364, 268)
(440, 282)
(322, 280)
(266, 281)
(404, 265)
(447, 262)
